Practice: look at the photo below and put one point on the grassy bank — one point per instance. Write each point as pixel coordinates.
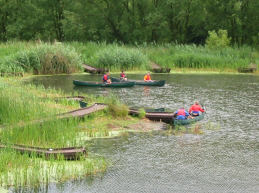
(38, 58)
(176, 57)
(20, 105)
(44, 58)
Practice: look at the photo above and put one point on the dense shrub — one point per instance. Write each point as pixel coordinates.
(142, 113)
(43, 59)
(118, 110)
(218, 39)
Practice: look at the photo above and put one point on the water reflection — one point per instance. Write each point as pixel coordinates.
(146, 91)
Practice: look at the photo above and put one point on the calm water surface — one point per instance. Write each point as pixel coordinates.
(220, 160)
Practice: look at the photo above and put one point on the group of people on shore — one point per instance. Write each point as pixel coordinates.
(194, 111)
(107, 80)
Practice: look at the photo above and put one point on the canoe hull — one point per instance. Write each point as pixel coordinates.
(167, 117)
(189, 121)
(99, 84)
(142, 83)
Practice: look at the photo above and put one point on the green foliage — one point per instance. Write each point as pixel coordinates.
(117, 109)
(26, 118)
(200, 57)
(218, 39)
(141, 113)
(131, 21)
(42, 59)
(53, 133)
(115, 57)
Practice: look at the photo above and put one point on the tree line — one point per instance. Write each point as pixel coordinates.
(129, 21)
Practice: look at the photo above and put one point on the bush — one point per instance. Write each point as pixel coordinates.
(142, 113)
(43, 59)
(121, 58)
(118, 110)
(218, 39)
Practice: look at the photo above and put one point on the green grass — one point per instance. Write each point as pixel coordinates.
(200, 57)
(29, 171)
(40, 58)
(43, 58)
(21, 104)
(169, 55)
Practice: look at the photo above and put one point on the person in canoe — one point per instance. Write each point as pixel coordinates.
(196, 109)
(147, 77)
(106, 78)
(182, 114)
(123, 76)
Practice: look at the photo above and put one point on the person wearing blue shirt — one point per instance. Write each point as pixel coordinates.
(181, 114)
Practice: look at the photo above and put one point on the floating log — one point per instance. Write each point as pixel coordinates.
(83, 111)
(76, 98)
(70, 153)
(166, 117)
(93, 70)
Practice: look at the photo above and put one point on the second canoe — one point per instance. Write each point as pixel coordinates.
(143, 83)
(100, 84)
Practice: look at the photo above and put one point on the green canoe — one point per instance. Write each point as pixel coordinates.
(100, 84)
(143, 83)
(189, 121)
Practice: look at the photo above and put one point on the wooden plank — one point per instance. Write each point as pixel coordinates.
(166, 117)
(71, 153)
(83, 111)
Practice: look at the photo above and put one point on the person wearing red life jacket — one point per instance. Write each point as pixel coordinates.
(147, 77)
(196, 109)
(106, 78)
(181, 114)
(123, 76)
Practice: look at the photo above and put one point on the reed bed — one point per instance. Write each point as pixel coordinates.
(200, 57)
(39, 58)
(20, 105)
(167, 55)
(27, 117)
(45, 58)
(23, 171)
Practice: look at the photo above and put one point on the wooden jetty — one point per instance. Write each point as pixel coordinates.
(166, 117)
(158, 69)
(70, 153)
(93, 70)
(83, 111)
(250, 69)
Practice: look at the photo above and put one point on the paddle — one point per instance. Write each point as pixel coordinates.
(203, 107)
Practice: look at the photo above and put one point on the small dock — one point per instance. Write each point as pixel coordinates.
(94, 70)
(71, 153)
(250, 69)
(166, 117)
(83, 111)
(158, 69)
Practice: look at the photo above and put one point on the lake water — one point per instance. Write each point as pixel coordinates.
(224, 159)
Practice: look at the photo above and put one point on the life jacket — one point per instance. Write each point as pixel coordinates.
(147, 77)
(105, 78)
(181, 112)
(196, 108)
(122, 75)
